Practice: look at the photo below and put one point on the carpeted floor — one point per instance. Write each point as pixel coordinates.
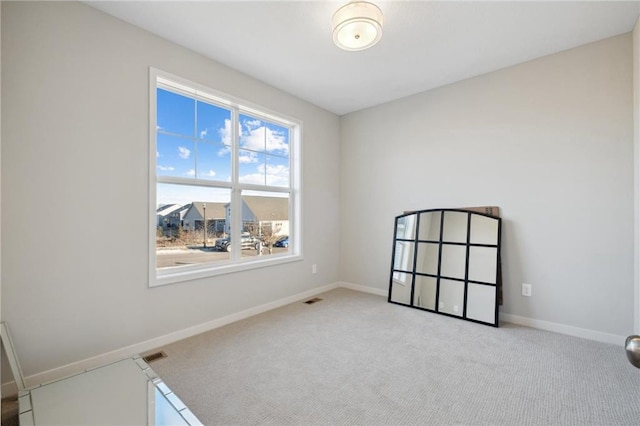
(354, 359)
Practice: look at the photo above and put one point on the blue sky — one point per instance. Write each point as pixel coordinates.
(194, 141)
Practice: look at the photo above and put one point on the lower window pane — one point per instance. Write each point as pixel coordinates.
(265, 223)
(192, 225)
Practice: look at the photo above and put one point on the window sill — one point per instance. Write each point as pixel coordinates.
(173, 277)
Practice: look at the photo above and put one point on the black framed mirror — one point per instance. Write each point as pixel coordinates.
(447, 261)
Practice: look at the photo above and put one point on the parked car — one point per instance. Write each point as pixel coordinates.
(282, 242)
(248, 242)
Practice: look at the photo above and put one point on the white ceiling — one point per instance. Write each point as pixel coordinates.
(425, 44)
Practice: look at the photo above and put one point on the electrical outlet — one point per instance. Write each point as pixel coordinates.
(314, 269)
(455, 308)
(441, 305)
(526, 289)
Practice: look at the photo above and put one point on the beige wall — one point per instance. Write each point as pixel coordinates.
(75, 179)
(549, 141)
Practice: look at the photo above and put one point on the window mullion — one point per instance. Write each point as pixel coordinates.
(193, 182)
(235, 143)
(177, 135)
(264, 188)
(266, 129)
(236, 196)
(197, 139)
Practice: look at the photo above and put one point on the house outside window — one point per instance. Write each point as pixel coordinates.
(228, 175)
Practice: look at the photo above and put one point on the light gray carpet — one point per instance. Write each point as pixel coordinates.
(354, 359)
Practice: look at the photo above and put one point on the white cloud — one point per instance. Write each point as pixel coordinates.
(183, 152)
(252, 124)
(157, 154)
(264, 138)
(190, 173)
(225, 132)
(277, 175)
(210, 173)
(276, 170)
(166, 168)
(255, 178)
(203, 133)
(276, 141)
(255, 137)
(247, 157)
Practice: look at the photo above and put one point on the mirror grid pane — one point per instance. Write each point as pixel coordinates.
(447, 261)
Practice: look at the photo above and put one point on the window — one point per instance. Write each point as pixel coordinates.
(225, 191)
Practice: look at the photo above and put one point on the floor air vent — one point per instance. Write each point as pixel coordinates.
(152, 357)
(312, 301)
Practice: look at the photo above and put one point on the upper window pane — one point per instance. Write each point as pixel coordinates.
(175, 156)
(253, 134)
(277, 171)
(213, 161)
(252, 167)
(260, 169)
(264, 154)
(277, 139)
(175, 113)
(214, 123)
(194, 138)
(262, 136)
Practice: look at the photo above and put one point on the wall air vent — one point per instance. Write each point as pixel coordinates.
(154, 356)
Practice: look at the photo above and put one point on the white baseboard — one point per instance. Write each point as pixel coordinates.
(584, 333)
(364, 288)
(10, 388)
(118, 354)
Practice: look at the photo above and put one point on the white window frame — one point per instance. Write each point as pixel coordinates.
(236, 263)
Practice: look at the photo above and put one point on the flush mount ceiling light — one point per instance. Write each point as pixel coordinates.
(357, 25)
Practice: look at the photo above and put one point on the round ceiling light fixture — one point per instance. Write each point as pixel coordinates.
(357, 25)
